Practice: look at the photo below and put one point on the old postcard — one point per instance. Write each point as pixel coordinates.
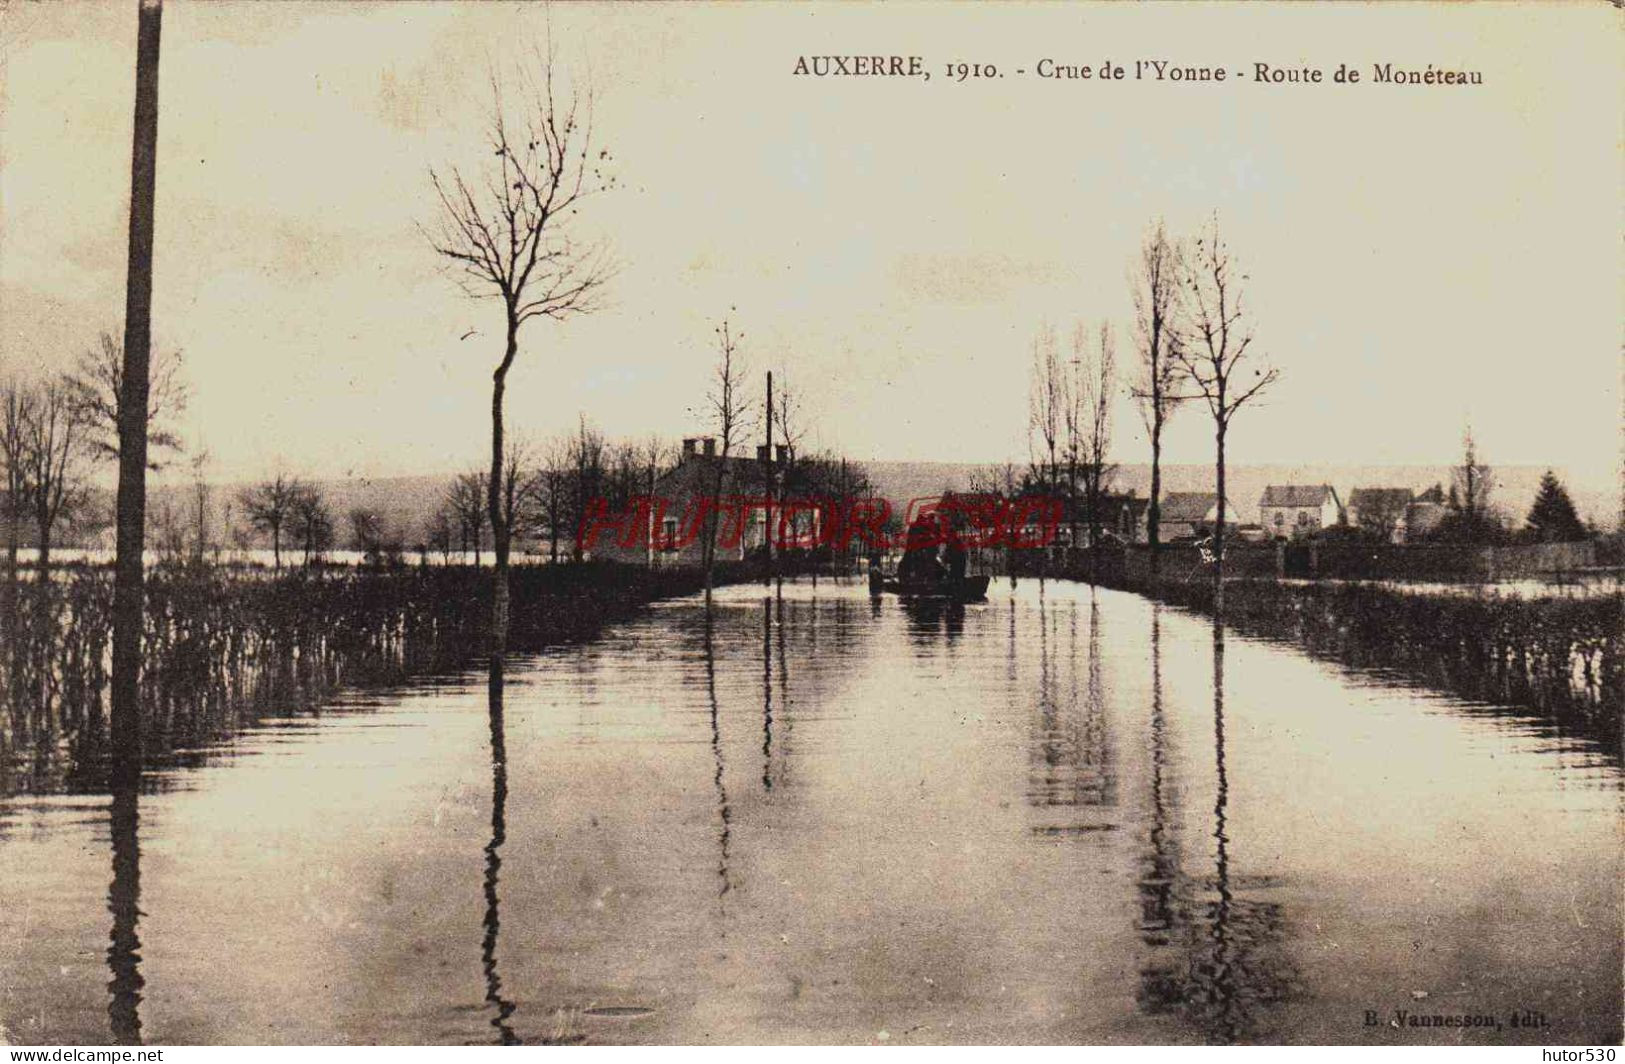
(752, 524)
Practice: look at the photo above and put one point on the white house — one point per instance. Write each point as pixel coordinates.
(1288, 511)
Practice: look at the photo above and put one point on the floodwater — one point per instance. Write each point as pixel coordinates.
(1060, 816)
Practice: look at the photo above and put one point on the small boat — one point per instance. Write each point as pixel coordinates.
(949, 588)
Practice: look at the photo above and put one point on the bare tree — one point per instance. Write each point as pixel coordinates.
(1155, 283)
(1046, 402)
(54, 456)
(517, 516)
(1094, 382)
(374, 536)
(550, 492)
(16, 411)
(654, 458)
(466, 497)
(1214, 354)
(201, 498)
(732, 413)
(97, 386)
(507, 228)
(268, 506)
(1470, 480)
(1003, 484)
(586, 478)
(310, 522)
(438, 532)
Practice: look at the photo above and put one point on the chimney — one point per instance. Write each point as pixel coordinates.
(710, 446)
(688, 446)
(786, 454)
(761, 452)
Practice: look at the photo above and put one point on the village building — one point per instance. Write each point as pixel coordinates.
(673, 535)
(1192, 515)
(1380, 511)
(1123, 518)
(1290, 511)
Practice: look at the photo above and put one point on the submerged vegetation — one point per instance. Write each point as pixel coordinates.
(224, 649)
(1562, 657)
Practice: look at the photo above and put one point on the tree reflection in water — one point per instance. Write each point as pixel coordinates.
(1229, 965)
(493, 858)
(1073, 771)
(724, 812)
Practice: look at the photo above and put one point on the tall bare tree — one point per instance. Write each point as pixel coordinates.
(1155, 283)
(269, 507)
(1215, 354)
(97, 386)
(732, 413)
(1046, 403)
(1089, 430)
(507, 226)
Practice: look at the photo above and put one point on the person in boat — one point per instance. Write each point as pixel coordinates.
(955, 554)
(920, 564)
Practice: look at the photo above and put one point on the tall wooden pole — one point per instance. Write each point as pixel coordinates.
(771, 513)
(132, 427)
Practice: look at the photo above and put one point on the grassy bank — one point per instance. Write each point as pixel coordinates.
(225, 649)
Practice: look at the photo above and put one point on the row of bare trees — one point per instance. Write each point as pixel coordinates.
(545, 490)
(56, 432)
(1193, 344)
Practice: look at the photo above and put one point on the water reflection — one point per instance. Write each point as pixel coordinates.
(492, 920)
(1160, 861)
(124, 902)
(1072, 752)
(929, 618)
(1094, 820)
(1235, 968)
(767, 688)
(724, 811)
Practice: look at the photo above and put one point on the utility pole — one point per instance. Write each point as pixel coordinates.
(770, 512)
(132, 406)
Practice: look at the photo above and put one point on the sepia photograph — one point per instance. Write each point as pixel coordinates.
(755, 524)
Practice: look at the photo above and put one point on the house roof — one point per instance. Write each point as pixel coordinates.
(1187, 506)
(1116, 504)
(1380, 498)
(743, 473)
(1299, 495)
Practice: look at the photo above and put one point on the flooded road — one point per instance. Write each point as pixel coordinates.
(1060, 816)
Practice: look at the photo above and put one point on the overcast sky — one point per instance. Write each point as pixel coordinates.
(1417, 256)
